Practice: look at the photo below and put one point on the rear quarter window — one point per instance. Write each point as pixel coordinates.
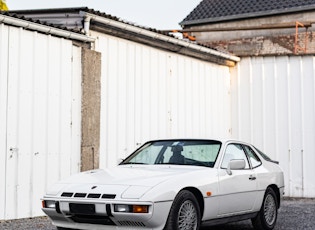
(253, 158)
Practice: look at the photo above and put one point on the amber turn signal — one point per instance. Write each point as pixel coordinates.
(140, 209)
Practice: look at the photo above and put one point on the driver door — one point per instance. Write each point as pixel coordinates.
(238, 190)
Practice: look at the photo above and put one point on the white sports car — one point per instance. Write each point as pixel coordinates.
(172, 184)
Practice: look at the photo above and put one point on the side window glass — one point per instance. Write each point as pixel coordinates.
(254, 159)
(234, 152)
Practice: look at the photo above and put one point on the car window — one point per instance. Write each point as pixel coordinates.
(254, 159)
(178, 152)
(196, 152)
(234, 152)
(147, 156)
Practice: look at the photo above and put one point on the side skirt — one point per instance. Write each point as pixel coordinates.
(229, 219)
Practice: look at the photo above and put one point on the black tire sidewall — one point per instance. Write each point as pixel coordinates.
(260, 222)
(182, 196)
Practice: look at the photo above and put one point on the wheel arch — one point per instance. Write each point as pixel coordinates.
(196, 192)
(277, 192)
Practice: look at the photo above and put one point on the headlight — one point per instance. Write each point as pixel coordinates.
(131, 208)
(49, 204)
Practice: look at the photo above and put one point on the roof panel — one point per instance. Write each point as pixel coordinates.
(221, 10)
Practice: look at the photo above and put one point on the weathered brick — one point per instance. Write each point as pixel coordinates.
(267, 45)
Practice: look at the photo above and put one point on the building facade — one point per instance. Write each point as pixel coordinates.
(254, 28)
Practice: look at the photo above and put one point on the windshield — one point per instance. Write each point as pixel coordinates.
(178, 152)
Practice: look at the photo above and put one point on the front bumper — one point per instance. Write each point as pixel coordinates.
(103, 215)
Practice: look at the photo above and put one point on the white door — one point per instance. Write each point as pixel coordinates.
(238, 190)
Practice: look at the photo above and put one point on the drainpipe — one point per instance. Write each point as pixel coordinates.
(161, 37)
(44, 29)
(87, 20)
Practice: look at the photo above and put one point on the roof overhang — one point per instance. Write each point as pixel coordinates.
(157, 39)
(85, 19)
(29, 24)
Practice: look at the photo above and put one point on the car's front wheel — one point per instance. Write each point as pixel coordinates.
(267, 216)
(184, 213)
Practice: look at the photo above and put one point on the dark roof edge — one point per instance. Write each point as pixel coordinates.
(248, 15)
(48, 10)
(12, 19)
(82, 9)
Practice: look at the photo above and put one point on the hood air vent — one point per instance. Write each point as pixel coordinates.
(81, 195)
(90, 195)
(108, 196)
(67, 194)
(94, 195)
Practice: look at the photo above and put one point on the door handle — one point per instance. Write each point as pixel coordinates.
(251, 177)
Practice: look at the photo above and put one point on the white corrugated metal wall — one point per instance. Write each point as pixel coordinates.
(148, 93)
(273, 106)
(40, 117)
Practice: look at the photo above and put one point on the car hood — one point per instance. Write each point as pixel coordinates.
(126, 181)
(130, 175)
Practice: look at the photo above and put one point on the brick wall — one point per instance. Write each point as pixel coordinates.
(266, 45)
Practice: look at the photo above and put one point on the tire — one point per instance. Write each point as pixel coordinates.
(267, 216)
(184, 213)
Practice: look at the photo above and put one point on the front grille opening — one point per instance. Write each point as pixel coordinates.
(92, 219)
(94, 195)
(67, 194)
(131, 223)
(58, 207)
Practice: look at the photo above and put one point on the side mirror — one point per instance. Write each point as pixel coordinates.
(235, 165)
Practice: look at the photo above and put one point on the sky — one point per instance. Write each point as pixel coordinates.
(158, 14)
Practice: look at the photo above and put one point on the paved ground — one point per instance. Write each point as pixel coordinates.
(294, 214)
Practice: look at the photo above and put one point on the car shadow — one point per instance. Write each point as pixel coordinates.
(240, 225)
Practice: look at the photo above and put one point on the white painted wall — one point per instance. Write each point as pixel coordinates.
(40, 117)
(149, 93)
(273, 107)
(3, 114)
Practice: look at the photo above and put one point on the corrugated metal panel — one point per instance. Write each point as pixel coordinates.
(148, 93)
(76, 98)
(3, 112)
(273, 106)
(37, 139)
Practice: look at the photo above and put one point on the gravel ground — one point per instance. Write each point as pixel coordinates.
(293, 214)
